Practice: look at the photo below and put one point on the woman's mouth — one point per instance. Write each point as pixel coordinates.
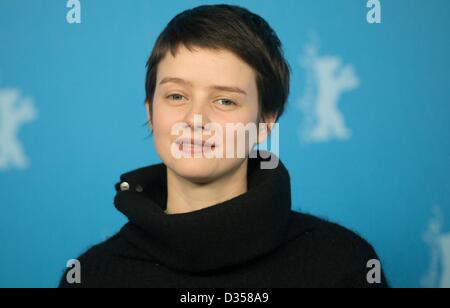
(193, 146)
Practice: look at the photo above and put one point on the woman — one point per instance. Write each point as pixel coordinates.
(199, 220)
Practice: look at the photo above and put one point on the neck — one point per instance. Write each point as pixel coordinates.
(185, 196)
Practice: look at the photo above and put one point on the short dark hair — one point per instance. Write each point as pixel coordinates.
(235, 29)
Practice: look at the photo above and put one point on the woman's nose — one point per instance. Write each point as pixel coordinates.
(198, 116)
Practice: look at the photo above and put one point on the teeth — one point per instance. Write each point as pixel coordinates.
(196, 146)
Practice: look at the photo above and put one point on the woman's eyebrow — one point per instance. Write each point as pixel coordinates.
(215, 87)
(175, 80)
(229, 89)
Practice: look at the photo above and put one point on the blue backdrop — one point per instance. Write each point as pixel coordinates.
(376, 160)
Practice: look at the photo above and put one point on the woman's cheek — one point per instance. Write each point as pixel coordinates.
(161, 131)
(237, 134)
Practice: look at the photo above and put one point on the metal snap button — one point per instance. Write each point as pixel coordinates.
(124, 186)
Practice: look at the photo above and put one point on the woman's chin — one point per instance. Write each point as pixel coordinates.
(198, 170)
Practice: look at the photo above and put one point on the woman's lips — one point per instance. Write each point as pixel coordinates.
(192, 146)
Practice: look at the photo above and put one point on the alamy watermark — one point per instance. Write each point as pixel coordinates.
(73, 275)
(240, 139)
(73, 15)
(374, 14)
(374, 274)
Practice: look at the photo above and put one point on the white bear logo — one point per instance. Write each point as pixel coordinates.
(14, 112)
(327, 78)
(438, 274)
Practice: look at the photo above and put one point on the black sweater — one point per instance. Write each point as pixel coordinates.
(252, 240)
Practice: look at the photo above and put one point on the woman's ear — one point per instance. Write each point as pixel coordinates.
(149, 115)
(264, 130)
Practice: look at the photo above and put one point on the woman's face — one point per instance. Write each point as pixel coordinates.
(213, 84)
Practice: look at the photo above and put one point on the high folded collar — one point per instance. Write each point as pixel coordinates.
(219, 236)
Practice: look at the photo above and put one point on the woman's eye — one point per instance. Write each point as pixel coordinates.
(175, 97)
(226, 102)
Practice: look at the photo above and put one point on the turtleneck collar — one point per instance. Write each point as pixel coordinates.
(226, 234)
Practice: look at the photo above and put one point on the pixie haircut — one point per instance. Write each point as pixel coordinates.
(237, 30)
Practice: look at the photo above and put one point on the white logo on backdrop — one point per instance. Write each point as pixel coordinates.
(15, 111)
(327, 78)
(438, 274)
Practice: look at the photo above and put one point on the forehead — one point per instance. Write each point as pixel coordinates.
(203, 67)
